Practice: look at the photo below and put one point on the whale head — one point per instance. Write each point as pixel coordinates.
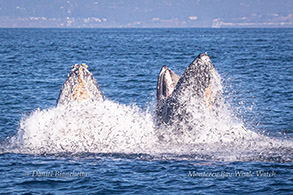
(199, 81)
(80, 85)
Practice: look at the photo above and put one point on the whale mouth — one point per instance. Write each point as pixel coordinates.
(199, 82)
(167, 82)
(198, 76)
(80, 86)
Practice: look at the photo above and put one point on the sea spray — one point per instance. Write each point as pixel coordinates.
(210, 133)
(87, 127)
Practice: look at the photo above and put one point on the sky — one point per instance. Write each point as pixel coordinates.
(145, 13)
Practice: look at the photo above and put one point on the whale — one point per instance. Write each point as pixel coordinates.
(80, 86)
(198, 86)
(175, 94)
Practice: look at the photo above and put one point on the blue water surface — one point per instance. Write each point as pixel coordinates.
(256, 66)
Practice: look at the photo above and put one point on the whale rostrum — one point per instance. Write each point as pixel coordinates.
(197, 88)
(174, 94)
(80, 85)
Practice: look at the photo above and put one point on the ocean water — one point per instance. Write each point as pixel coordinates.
(114, 147)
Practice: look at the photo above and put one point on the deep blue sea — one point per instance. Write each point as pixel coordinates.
(112, 148)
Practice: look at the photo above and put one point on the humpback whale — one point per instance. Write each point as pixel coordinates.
(199, 86)
(80, 85)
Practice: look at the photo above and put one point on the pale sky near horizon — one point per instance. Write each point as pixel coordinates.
(147, 13)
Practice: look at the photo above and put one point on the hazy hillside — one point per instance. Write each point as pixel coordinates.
(148, 13)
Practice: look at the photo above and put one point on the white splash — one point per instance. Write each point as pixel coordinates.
(109, 127)
(99, 127)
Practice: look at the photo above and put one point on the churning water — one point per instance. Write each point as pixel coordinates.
(116, 143)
